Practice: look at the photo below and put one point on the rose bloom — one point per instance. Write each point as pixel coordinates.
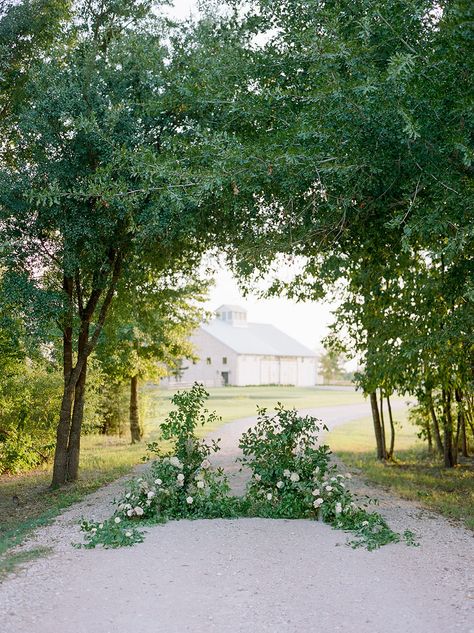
(294, 477)
(189, 500)
(158, 482)
(200, 484)
(286, 472)
(117, 519)
(280, 484)
(205, 464)
(138, 511)
(317, 502)
(338, 508)
(269, 496)
(130, 513)
(180, 477)
(328, 488)
(315, 492)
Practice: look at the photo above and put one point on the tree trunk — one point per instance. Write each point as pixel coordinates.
(382, 425)
(135, 431)
(377, 425)
(392, 429)
(64, 424)
(68, 432)
(448, 453)
(462, 423)
(74, 446)
(437, 432)
(62, 437)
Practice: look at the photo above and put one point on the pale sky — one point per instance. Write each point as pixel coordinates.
(306, 322)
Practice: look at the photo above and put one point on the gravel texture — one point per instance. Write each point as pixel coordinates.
(246, 575)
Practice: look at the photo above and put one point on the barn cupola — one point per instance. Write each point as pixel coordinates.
(233, 315)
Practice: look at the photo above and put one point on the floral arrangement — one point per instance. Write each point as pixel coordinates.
(292, 477)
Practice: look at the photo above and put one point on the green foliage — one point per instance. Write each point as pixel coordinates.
(290, 479)
(110, 533)
(29, 401)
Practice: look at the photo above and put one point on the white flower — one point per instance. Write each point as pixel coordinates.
(180, 477)
(328, 488)
(257, 477)
(130, 513)
(280, 484)
(316, 471)
(138, 511)
(127, 496)
(317, 502)
(294, 477)
(189, 500)
(129, 534)
(200, 484)
(338, 508)
(333, 478)
(269, 496)
(117, 519)
(205, 464)
(94, 530)
(286, 472)
(150, 494)
(101, 525)
(364, 523)
(174, 461)
(316, 492)
(158, 482)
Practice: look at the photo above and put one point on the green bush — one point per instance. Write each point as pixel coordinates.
(30, 399)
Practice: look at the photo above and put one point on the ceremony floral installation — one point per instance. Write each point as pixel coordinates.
(292, 478)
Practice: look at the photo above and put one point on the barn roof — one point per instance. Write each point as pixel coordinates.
(259, 339)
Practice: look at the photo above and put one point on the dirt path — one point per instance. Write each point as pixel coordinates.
(247, 575)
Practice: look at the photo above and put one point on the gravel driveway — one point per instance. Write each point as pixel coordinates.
(247, 575)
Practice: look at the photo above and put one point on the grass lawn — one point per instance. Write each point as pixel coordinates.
(415, 474)
(104, 459)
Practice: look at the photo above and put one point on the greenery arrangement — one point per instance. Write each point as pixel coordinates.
(291, 478)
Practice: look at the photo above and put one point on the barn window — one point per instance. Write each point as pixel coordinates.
(224, 360)
(208, 360)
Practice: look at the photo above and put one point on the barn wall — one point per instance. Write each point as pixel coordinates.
(276, 370)
(210, 375)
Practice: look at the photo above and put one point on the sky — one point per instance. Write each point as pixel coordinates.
(306, 322)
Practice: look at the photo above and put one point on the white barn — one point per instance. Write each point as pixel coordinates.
(233, 351)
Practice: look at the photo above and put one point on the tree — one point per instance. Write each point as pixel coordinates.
(147, 333)
(330, 366)
(365, 186)
(104, 169)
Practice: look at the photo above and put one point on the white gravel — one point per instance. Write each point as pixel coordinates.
(252, 575)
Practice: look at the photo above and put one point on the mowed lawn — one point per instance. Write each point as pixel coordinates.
(26, 501)
(415, 474)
